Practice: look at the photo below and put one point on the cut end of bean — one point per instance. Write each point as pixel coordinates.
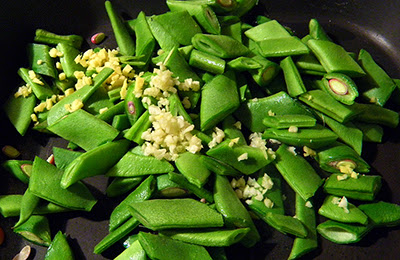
(268, 74)
(27, 169)
(226, 3)
(10, 151)
(98, 38)
(338, 87)
(131, 108)
(23, 254)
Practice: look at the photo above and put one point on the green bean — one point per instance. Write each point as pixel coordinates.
(125, 43)
(47, 37)
(59, 248)
(192, 168)
(36, 230)
(342, 233)
(28, 204)
(19, 169)
(134, 251)
(207, 62)
(160, 247)
(382, 213)
(183, 182)
(294, 82)
(40, 60)
(297, 172)
(119, 186)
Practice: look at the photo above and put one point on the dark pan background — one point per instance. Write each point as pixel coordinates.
(369, 24)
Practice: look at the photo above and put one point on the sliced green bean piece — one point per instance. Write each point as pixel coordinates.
(98, 100)
(163, 37)
(365, 187)
(67, 59)
(40, 60)
(308, 64)
(121, 122)
(326, 104)
(313, 137)
(202, 13)
(286, 224)
(28, 204)
(371, 132)
(120, 186)
(316, 31)
(207, 237)
(243, 6)
(268, 30)
(264, 75)
(282, 47)
(42, 90)
(233, 30)
(235, 214)
(116, 235)
(333, 157)
(306, 215)
(252, 112)
(108, 115)
(183, 182)
(121, 213)
(342, 233)
(244, 64)
(47, 37)
(19, 169)
(179, 24)
(58, 110)
(59, 248)
(163, 248)
(192, 168)
(133, 165)
(370, 113)
(382, 213)
(84, 129)
(169, 189)
(221, 46)
(63, 157)
(19, 112)
(45, 183)
(219, 99)
(219, 167)
(350, 214)
(95, 162)
(36, 230)
(379, 84)
(286, 121)
(10, 206)
(145, 42)
(135, 132)
(297, 172)
(294, 82)
(176, 108)
(341, 87)
(347, 132)
(207, 62)
(244, 158)
(175, 213)
(134, 251)
(334, 58)
(125, 42)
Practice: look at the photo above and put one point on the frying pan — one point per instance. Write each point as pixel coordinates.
(369, 24)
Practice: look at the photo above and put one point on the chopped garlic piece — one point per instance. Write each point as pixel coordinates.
(238, 125)
(40, 107)
(24, 91)
(234, 141)
(249, 202)
(186, 103)
(39, 62)
(270, 113)
(62, 76)
(218, 135)
(243, 157)
(344, 204)
(308, 151)
(75, 105)
(102, 110)
(34, 117)
(342, 177)
(293, 129)
(292, 149)
(58, 65)
(239, 193)
(309, 204)
(268, 203)
(267, 182)
(69, 91)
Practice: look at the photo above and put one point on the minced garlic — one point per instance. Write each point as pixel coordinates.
(243, 157)
(75, 105)
(218, 135)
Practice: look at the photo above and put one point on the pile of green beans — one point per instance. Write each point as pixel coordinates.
(293, 113)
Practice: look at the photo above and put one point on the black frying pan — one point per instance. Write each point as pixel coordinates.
(369, 24)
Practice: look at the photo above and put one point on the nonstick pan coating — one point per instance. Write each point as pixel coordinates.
(369, 24)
